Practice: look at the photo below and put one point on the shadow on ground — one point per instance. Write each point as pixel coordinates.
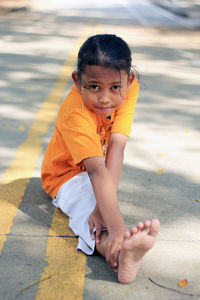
(171, 201)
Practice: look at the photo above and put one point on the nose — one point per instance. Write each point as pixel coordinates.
(104, 98)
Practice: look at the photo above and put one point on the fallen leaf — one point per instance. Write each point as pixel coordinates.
(22, 128)
(186, 130)
(5, 125)
(160, 171)
(183, 283)
(198, 200)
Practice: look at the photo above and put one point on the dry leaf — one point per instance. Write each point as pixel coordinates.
(160, 171)
(5, 125)
(183, 283)
(22, 128)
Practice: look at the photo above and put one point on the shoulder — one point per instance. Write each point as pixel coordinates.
(134, 89)
(73, 112)
(72, 101)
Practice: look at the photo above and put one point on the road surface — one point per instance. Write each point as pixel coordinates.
(160, 178)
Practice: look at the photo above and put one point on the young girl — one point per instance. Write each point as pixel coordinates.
(83, 161)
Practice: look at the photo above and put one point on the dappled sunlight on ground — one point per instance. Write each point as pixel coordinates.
(160, 176)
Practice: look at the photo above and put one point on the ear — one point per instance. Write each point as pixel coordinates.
(131, 77)
(76, 80)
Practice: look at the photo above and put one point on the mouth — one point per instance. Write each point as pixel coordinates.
(104, 108)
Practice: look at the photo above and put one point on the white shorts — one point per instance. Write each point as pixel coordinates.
(77, 200)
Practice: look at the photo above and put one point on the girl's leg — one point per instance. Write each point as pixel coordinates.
(134, 246)
(101, 248)
(76, 199)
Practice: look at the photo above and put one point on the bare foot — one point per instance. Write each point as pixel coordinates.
(136, 243)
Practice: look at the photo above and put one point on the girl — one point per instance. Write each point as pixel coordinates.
(83, 161)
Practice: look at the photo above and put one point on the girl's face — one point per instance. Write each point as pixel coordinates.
(103, 89)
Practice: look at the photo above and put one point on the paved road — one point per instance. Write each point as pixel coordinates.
(161, 172)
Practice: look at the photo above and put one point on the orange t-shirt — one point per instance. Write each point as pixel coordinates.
(79, 134)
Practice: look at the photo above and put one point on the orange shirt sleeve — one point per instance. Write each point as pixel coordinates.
(124, 115)
(79, 132)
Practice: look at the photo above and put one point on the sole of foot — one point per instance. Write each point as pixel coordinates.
(135, 244)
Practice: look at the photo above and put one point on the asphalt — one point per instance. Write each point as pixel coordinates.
(160, 177)
(183, 8)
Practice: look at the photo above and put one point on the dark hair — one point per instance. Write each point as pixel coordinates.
(106, 50)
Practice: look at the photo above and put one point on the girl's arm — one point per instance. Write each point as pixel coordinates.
(104, 191)
(107, 203)
(114, 161)
(115, 156)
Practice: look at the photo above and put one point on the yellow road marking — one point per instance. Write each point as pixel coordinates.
(28, 153)
(65, 272)
(11, 195)
(22, 167)
(64, 264)
(63, 277)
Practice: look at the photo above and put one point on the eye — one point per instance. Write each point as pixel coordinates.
(116, 87)
(94, 87)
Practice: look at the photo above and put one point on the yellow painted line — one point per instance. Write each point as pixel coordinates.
(11, 195)
(17, 176)
(64, 276)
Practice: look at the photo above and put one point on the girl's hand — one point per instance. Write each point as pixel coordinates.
(95, 220)
(113, 249)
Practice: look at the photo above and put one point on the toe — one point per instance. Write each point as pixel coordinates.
(127, 235)
(140, 226)
(133, 230)
(154, 228)
(147, 225)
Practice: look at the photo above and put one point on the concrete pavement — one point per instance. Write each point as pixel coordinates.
(160, 177)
